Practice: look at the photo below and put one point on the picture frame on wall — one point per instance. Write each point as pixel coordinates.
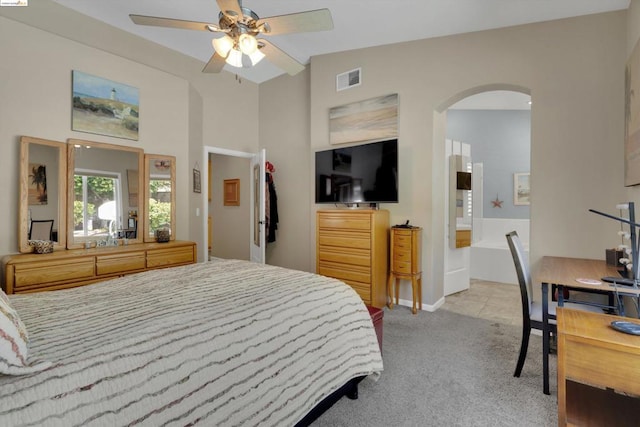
(197, 185)
(521, 189)
(104, 107)
(232, 192)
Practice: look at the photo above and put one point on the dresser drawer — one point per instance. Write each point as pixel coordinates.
(361, 257)
(343, 221)
(40, 273)
(345, 239)
(363, 290)
(120, 263)
(345, 273)
(402, 267)
(170, 256)
(401, 256)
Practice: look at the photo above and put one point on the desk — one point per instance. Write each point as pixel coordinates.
(598, 370)
(563, 272)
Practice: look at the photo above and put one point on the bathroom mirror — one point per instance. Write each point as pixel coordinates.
(160, 195)
(460, 201)
(43, 167)
(104, 198)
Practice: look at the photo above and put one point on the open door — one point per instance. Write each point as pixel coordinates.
(257, 205)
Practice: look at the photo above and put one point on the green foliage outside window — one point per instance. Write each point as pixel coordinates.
(159, 214)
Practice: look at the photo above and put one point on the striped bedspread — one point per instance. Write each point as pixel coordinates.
(222, 343)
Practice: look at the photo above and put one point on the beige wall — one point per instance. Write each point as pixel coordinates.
(182, 109)
(36, 101)
(573, 70)
(284, 133)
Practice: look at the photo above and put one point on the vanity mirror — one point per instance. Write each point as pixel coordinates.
(160, 196)
(460, 201)
(104, 200)
(43, 166)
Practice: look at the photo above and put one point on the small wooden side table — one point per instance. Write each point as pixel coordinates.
(406, 263)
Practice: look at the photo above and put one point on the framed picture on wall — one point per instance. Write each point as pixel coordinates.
(196, 181)
(521, 188)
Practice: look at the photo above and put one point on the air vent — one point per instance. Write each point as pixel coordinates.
(348, 79)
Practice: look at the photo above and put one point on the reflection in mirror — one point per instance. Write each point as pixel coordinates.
(460, 201)
(160, 183)
(43, 166)
(103, 198)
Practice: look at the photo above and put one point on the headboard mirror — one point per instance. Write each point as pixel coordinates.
(160, 195)
(104, 200)
(43, 166)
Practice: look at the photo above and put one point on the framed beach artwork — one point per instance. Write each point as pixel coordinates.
(369, 120)
(521, 188)
(104, 107)
(632, 119)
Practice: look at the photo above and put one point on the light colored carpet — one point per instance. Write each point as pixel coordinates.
(447, 369)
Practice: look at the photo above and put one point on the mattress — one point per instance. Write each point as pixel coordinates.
(225, 342)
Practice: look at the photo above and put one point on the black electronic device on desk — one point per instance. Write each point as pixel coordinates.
(405, 225)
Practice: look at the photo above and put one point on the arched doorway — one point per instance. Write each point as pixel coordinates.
(482, 113)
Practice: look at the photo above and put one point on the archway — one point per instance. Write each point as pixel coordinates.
(456, 263)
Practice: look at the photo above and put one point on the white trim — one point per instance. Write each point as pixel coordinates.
(425, 307)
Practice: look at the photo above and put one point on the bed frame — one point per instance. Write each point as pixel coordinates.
(350, 389)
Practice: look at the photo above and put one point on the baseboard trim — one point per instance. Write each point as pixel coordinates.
(425, 307)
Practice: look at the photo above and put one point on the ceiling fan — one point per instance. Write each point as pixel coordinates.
(239, 45)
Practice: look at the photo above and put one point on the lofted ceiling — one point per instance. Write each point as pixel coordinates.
(357, 23)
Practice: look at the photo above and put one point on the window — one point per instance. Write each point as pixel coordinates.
(159, 202)
(97, 205)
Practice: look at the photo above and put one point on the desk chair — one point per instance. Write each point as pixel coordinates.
(41, 229)
(532, 310)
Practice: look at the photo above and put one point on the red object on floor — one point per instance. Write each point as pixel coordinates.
(376, 317)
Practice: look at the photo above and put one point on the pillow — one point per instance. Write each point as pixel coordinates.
(14, 342)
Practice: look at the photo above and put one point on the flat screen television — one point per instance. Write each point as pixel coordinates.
(365, 173)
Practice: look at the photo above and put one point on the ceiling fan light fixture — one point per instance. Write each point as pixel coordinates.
(256, 57)
(234, 58)
(247, 43)
(223, 45)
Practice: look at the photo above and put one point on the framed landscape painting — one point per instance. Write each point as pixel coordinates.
(368, 120)
(104, 107)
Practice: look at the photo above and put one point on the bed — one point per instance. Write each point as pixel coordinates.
(225, 342)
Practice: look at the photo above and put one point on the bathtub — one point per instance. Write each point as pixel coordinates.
(490, 256)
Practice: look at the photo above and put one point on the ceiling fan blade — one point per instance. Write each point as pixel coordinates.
(312, 20)
(215, 64)
(279, 58)
(231, 8)
(172, 23)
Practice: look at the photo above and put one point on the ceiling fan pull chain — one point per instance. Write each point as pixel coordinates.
(239, 79)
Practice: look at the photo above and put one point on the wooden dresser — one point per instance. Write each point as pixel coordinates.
(406, 263)
(352, 245)
(69, 268)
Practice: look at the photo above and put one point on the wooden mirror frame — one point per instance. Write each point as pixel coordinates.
(71, 155)
(23, 213)
(149, 162)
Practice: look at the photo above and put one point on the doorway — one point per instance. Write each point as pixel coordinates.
(497, 126)
(234, 223)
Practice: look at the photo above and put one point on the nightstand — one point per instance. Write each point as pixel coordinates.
(406, 263)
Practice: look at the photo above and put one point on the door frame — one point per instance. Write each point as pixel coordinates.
(207, 150)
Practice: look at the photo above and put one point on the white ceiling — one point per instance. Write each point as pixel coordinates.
(357, 23)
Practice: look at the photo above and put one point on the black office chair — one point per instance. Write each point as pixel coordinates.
(532, 310)
(41, 229)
